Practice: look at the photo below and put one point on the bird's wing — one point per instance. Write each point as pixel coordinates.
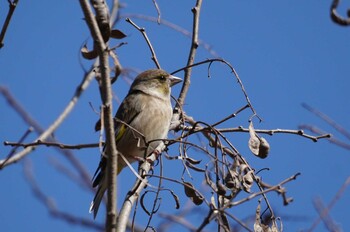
(126, 113)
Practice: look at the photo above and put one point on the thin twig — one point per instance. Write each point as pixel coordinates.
(158, 10)
(51, 144)
(253, 195)
(336, 17)
(175, 27)
(331, 139)
(14, 149)
(45, 135)
(324, 212)
(194, 45)
(139, 185)
(143, 32)
(12, 7)
(328, 120)
(277, 131)
(50, 204)
(210, 61)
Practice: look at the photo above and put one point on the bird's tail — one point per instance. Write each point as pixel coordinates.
(101, 182)
(95, 204)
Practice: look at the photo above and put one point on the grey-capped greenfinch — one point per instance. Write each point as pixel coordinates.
(143, 116)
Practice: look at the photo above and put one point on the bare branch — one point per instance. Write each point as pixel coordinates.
(158, 10)
(328, 120)
(51, 144)
(272, 188)
(192, 54)
(50, 205)
(323, 212)
(12, 7)
(13, 150)
(210, 61)
(44, 134)
(139, 185)
(143, 32)
(173, 26)
(331, 139)
(277, 131)
(106, 96)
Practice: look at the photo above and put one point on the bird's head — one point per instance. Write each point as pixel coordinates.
(155, 82)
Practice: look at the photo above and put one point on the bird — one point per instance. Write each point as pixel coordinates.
(143, 116)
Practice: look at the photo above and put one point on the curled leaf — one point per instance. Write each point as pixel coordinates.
(190, 162)
(247, 181)
(210, 182)
(258, 145)
(176, 198)
(232, 181)
(192, 194)
(89, 55)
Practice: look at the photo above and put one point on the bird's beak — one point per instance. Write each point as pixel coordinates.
(174, 80)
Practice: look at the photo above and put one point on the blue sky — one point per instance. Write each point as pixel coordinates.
(286, 53)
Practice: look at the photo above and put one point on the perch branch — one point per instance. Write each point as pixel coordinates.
(139, 185)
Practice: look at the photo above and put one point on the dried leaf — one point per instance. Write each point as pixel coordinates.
(176, 198)
(98, 125)
(89, 55)
(192, 161)
(188, 164)
(210, 182)
(221, 189)
(192, 194)
(247, 181)
(258, 145)
(257, 224)
(224, 222)
(117, 34)
(232, 181)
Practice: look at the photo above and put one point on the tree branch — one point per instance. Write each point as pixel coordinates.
(143, 32)
(12, 7)
(139, 185)
(192, 54)
(45, 135)
(106, 96)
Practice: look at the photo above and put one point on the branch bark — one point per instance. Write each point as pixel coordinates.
(106, 96)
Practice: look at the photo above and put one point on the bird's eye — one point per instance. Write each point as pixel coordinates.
(162, 78)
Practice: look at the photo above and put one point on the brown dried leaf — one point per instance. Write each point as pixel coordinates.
(248, 181)
(117, 34)
(176, 198)
(210, 182)
(98, 125)
(258, 145)
(192, 194)
(89, 55)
